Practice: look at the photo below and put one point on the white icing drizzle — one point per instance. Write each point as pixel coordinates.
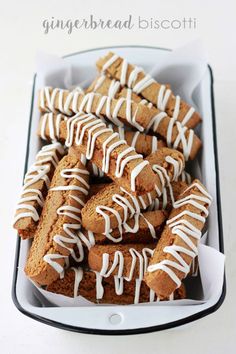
(90, 124)
(113, 89)
(83, 240)
(105, 101)
(163, 94)
(121, 132)
(133, 212)
(51, 260)
(187, 142)
(139, 263)
(129, 212)
(45, 160)
(177, 166)
(99, 83)
(184, 229)
(109, 62)
(70, 237)
(119, 282)
(71, 104)
(185, 177)
(78, 277)
(53, 126)
(81, 123)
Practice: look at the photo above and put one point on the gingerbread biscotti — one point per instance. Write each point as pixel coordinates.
(118, 112)
(112, 155)
(36, 183)
(106, 86)
(144, 85)
(128, 261)
(56, 234)
(97, 289)
(49, 129)
(113, 216)
(151, 223)
(177, 247)
(124, 112)
(113, 206)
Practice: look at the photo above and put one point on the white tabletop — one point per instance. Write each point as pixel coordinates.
(21, 36)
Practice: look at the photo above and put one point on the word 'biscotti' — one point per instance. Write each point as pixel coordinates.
(144, 85)
(106, 86)
(113, 206)
(36, 183)
(123, 111)
(56, 234)
(97, 289)
(103, 146)
(177, 246)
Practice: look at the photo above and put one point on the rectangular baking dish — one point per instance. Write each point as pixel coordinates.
(124, 319)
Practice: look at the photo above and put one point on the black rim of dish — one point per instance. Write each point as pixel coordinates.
(220, 226)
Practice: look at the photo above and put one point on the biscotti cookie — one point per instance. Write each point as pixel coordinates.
(121, 112)
(151, 224)
(106, 86)
(97, 289)
(49, 129)
(102, 146)
(168, 197)
(177, 246)
(113, 206)
(172, 132)
(56, 234)
(127, 261)
(144, 144)
(36, 183)
(144, 85)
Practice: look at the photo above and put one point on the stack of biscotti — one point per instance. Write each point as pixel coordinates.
(112, 212)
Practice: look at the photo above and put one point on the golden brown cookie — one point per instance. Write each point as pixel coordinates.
(123, 112)
(114, 206)
(144, 85)
(124, 260)
(106, 290)
(102, 146)
(36, 183)
(55, 237)
(177, 246)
